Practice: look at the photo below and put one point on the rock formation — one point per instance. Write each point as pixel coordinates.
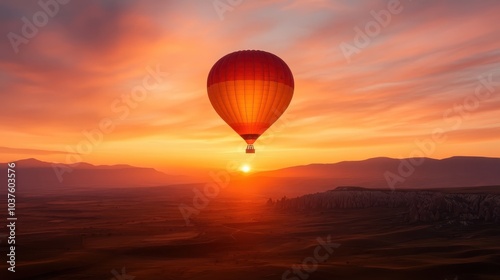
(422, 206)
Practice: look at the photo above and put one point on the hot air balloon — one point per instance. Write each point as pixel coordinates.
(250, 90)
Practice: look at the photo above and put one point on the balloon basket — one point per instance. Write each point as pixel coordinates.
(250, 149)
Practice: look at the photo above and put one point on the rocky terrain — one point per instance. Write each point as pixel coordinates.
(419, 206)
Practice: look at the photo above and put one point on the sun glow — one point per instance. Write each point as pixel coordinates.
(246, 168)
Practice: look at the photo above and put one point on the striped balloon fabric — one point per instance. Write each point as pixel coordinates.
(250, 90)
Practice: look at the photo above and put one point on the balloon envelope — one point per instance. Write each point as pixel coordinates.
(250, 90)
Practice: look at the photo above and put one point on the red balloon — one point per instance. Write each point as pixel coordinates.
(250, 90)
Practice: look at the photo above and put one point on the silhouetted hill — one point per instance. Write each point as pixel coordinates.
(32, 174)
(397, 173)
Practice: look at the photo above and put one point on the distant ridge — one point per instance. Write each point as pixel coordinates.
(33, 174)
(458, 171)
(35, 163)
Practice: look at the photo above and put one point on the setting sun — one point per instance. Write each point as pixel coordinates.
(245, 168)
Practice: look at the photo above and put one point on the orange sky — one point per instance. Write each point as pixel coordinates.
(417, 74)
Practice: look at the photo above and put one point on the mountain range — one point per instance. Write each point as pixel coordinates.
(418, 173)
(33, 174)
(384, 173)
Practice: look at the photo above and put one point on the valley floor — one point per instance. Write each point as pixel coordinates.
(117, 234)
